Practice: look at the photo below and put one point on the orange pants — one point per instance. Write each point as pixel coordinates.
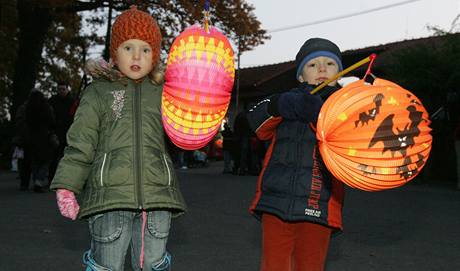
(293, 246)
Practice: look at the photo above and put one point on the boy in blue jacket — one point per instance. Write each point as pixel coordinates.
(297, 199)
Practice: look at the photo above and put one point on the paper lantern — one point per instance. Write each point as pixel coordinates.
(374, 136)
(198, 82)
(219, 143)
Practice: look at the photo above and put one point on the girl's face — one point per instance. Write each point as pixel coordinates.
(134, 58)
(318, 70)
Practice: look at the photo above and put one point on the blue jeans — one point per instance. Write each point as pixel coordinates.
(112, 233)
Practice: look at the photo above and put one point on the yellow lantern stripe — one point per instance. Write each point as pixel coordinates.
(194, 124)
(204, 106)
(223, 51)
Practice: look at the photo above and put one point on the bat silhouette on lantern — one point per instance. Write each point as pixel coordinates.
(398, 142)
(364, 117)
(402, 140)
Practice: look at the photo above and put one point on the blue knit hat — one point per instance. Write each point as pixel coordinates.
(316, 47)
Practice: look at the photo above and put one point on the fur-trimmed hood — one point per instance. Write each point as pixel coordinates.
(100, 69)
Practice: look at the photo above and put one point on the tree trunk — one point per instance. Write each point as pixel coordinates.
(34, 22)
(106, 54)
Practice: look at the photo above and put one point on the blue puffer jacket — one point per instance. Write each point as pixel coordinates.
(294, 183)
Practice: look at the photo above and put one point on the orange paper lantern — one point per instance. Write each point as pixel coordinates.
(374, 136)
(198, 84)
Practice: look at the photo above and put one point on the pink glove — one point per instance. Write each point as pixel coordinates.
(68, 205)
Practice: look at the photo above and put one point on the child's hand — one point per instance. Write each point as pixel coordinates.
(67, 203)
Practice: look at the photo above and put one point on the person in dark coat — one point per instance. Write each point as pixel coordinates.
(243, 133)
(20, 142)
(61, 103)
(38, 138)
(228, 143)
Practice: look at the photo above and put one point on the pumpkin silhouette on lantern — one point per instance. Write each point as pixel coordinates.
(374, 136)
(198, 82)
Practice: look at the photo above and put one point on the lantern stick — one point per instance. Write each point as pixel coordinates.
(347, 70)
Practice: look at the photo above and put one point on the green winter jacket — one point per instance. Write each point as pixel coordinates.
(116, 156)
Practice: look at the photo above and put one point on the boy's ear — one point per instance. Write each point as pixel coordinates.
(301, 80)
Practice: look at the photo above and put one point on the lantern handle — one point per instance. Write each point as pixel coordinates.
(206, 16)
(368, 71)
(347, 70)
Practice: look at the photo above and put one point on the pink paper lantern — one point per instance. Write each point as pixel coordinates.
(199, 79)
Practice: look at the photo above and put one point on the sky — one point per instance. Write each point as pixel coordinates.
(400, 22)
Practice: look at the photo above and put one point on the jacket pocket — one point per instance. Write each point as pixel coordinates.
(167, 168)
(158, 171)
(118, 167)
(104, 167)
(276, 180)
(99, 168)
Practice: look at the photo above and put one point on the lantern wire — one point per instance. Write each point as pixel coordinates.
(347, 70)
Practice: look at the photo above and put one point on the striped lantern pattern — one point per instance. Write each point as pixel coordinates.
(198, 83)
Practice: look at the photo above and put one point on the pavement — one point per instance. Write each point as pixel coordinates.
(412, 228)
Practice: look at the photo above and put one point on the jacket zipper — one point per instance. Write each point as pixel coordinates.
(167, 168)
(102, 169)
(294, 177)
(138, 149)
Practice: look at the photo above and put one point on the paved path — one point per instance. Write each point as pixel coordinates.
(414, 228)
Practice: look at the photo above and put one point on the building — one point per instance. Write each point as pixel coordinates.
(261, 81)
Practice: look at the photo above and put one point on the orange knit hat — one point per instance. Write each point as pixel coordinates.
(136, 24)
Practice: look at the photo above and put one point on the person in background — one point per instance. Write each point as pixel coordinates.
(457, 151)
(61, 103)
(227, 146)
(19, 141)
(297, 199)
(184, 158)
(243, 134)
(35, 123)
(200, 158)
(18, 153)
(117, 158)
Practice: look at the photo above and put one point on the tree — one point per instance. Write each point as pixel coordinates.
(8, 45)
(46, 26)
(64, 53)
(432, 72)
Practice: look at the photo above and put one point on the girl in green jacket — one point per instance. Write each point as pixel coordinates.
(116, 159)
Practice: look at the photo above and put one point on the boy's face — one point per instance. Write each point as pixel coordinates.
(134, 58)
(318, 70)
